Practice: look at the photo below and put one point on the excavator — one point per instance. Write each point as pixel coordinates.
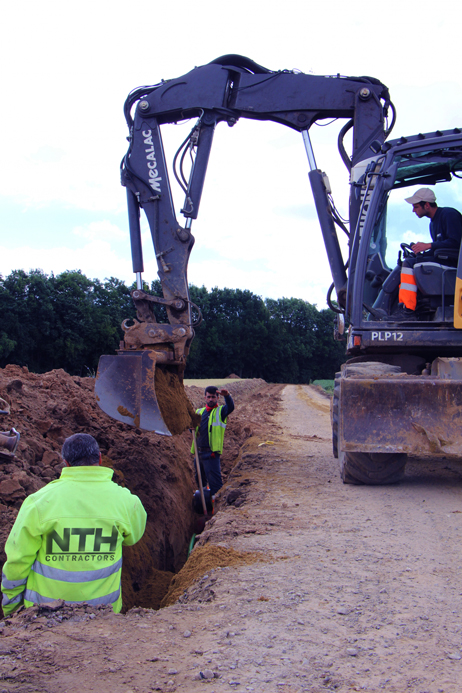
(399, 393)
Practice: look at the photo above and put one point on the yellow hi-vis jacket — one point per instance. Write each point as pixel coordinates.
(66, 542)
(216, 427)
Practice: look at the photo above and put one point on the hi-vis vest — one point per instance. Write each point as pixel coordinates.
(216, 429)
(66, 542)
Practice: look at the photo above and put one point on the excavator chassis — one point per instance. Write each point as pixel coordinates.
(380, 419)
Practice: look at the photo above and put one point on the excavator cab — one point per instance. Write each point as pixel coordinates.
(400, 392)
(392, 228)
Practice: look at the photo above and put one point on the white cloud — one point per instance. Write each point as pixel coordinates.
(65, 130)
(95, 259)
(101, 231)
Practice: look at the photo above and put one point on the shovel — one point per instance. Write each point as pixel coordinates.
(125, 390)
(199, 475)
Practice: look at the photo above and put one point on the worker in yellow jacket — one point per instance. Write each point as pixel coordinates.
(210, 435)
(66, 542)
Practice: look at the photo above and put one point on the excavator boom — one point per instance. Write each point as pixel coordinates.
(225, 90)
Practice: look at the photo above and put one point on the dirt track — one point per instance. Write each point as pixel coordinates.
(357, 588)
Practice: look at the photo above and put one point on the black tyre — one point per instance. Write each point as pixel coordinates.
(334, 414)
(361, 467)
(372, 468)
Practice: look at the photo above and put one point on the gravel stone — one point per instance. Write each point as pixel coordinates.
(207, 674)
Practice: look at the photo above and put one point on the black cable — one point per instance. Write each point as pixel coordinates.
(234, 60)
(334, 208)
(340, 223)
(323, 125)
(342, 151)
(197, 322)
(393, 119)
(335, 309)
(136, 95)
(257, 84)
(185, 144)
(183, 186)
(183, 156)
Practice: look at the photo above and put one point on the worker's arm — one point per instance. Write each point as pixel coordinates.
(21, 549)
(449, 230)
(420, 247)
(137, 522)
(228, 406)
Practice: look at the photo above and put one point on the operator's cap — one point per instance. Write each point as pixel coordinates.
(421, 195)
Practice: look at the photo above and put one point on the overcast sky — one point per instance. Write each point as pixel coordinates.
(67, 69)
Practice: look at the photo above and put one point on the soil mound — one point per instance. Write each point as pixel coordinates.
(202, 560)
(47, 408)
(175, 407)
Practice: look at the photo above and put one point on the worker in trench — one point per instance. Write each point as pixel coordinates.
(66, 542)
(210, 436)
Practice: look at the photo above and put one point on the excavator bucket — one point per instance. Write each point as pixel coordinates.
(125, 390)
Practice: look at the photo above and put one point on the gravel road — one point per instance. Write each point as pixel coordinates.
(356, 589)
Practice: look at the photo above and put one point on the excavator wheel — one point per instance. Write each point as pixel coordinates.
(372, 468)
(360, 467)
(334, 414)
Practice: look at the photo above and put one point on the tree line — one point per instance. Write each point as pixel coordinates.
(68, 321)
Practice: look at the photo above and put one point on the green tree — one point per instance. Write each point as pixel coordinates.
(232, 335)
(68, 321)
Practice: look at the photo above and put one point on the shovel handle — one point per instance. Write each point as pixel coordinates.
(199, 475)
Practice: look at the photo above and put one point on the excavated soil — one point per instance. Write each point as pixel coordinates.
(175, 407)
(48, 408)
(298, 583)
(206, 558)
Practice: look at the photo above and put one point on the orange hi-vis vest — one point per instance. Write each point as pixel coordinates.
(408, 288)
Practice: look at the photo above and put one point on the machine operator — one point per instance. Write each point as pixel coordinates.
(446, 234)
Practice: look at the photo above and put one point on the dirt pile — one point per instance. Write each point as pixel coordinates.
(175, 407)
(49, 407)
(203, 559)
(359, 592)
(56, 612)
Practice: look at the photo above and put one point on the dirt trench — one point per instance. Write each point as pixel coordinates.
(49, 407)
(298, 584)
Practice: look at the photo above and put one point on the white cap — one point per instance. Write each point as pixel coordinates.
(421, 195)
